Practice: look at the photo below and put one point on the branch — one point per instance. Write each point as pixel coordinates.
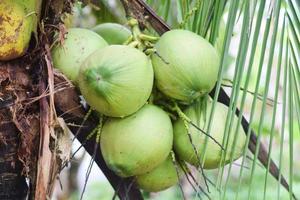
(143, 13)
(68, 106)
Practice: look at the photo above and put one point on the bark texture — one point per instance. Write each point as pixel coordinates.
(28, 122)
(18, 129)
(12, 182)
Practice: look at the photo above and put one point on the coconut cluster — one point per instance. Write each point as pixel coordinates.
(135, 92)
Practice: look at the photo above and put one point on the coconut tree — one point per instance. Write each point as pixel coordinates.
(258, 81)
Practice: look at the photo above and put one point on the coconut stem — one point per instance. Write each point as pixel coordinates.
(177, 172)
(129, 40)
(181, 114)
(91, 134)
(149, 38)
(186, 120)
(149, 51)
(133, 23)
(134, 44)
(142, 41)
(188, 174)
(99, 129)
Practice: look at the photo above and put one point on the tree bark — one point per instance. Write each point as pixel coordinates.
(26, 119)
(12, 182)
(22, 147)
(18, 130)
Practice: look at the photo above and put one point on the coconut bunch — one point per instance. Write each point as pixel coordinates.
(152, 94)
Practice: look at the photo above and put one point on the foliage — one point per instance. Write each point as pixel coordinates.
(260, 52)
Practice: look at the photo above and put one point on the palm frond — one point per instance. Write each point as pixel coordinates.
(263, 40)
(268, 60)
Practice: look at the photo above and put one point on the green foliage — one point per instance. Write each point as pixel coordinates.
(261, 40)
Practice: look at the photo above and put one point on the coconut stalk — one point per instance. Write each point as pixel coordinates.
(146, 16)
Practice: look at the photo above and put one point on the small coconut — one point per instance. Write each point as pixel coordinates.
(113, 33)
(160, 178)
(138, 143)
(199, 113)
(77, 46)
(185, 65)
(116, 80)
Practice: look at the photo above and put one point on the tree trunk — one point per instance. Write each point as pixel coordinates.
(27, 164)
(12, 182)
(18, 130)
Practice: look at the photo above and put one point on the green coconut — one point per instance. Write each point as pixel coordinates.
(113, 33)
(138, 143)
(116, 80)
(160, 178)
(78, 45)
(185, 65)
(199, 114)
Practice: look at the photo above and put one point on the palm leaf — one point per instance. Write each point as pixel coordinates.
(265, 36)
(265, 27)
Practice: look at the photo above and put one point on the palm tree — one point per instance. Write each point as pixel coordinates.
(259, 81)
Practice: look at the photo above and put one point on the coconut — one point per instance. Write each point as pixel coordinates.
(77, 46)
(113, 33)
(162, 177)
(138, 143)
(199, 114)
(17, 21)
(185, 65)
(116, 80)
